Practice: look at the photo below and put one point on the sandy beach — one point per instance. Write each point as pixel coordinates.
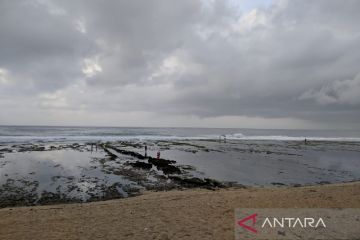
(189, 214)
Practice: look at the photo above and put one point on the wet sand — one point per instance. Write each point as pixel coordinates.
(189, 214)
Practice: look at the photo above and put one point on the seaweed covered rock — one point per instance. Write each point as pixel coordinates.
(31, 148)
(54, 198)
(165, 165)
(142, 165)
(110, 154)
(196, 182)
(126, 152)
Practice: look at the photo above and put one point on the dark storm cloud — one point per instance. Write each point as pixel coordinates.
(134, 35)
(293, 59)
(39, 46)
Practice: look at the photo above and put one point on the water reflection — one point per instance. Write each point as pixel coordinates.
(86, 172)
(70, 172)
(264, 163)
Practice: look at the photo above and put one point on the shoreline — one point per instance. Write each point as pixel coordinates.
(190, 214)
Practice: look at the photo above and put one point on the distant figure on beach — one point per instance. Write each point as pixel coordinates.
(305, 141)
(145, 150)
(158, 155)
(92, 147)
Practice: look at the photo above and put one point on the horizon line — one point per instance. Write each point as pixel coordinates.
(183, 127)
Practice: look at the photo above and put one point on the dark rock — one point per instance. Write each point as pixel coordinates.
(160, 161)
(112, 192)
(323, 182)
(110, 154)
(170, 169)
(126, 152)
(6, 150)
(49, 197)
(165, 165)
(278, 184)
(52, 148)
(188, 167)
(29, 148)
(142, 165)
(213, 182)
(75, 145)
(196, 182)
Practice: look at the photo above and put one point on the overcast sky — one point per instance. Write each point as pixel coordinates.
(190, 63)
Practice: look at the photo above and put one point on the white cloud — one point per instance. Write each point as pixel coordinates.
(91, 67)
(53, 101)
(251, 20)
(80, 25)
(174, 66)
(52, 8)
(4, 76)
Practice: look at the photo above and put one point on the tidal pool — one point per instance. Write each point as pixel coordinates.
(264, 163)
(40, 173)
(64, 174)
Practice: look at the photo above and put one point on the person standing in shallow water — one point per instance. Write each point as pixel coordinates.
(145, 150)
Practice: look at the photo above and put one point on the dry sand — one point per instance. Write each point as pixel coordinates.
(190, 214)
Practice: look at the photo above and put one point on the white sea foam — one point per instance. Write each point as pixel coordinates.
(240, 136)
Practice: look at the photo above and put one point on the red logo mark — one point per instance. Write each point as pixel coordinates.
(247, 227)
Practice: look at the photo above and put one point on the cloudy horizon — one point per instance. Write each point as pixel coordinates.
(191, 63)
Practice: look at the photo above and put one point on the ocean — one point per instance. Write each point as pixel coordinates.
(60, 133)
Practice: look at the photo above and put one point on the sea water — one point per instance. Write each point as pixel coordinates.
(58, 133)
